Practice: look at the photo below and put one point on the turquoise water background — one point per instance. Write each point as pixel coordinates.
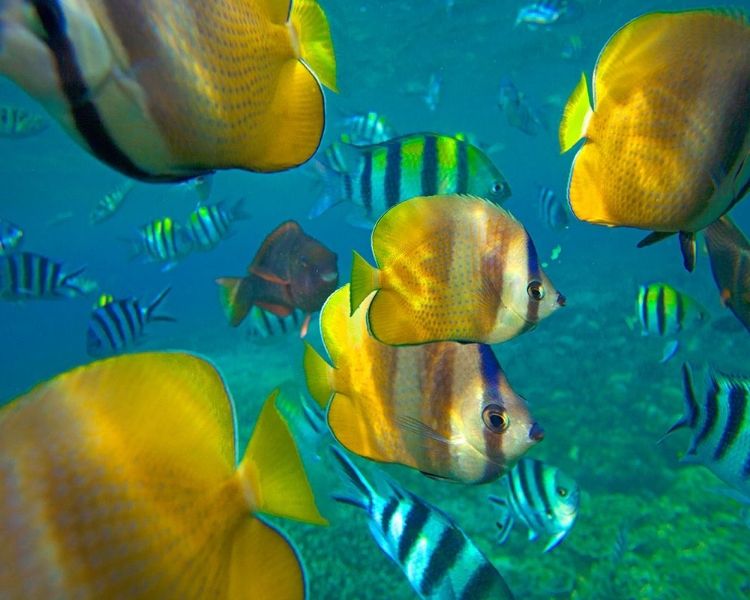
(594, 383)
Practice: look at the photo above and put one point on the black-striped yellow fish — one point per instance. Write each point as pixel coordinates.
(445, 409)
(17, 123)
(111, 202)
(163, 241)
(166, 90)
(665, 311)
(379, 176)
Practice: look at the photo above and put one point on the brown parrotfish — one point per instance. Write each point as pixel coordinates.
(119, 479)
(167, 90)
(291, 270)
(445, 409)
(667, 139)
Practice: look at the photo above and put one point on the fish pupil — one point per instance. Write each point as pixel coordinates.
(562, 492)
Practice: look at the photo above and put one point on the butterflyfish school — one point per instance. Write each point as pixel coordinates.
(452, 268)
(118, 479)
(166, 90)
(445, 409)
(667, 139)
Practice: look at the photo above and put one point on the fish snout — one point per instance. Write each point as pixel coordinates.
(536, 433)
(330, 277)
(561, 300)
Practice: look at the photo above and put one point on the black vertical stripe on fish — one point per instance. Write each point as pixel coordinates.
(532, 267)
(480, 583)
(388, 512)
(348, 188)
(365, 183)
(126, 312)
(712, 415)
(27, 272)
(429, 172)
(462, 168)
(540, 487)
(55, 275)
(13, 264)
(415, 520)
(392, 180)
(442, 560)
(85, 115)
(735, 420)
(105, 328)
(660, 311)
(115, 320)
(644, 308)
(680, 311)
(746, 467)
(527, 487)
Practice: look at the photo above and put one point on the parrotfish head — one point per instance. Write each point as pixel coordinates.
(314, 275)
(498, 425)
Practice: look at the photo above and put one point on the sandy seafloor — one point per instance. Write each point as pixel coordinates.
(594, 384)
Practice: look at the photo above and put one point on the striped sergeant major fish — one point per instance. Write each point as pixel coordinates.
(665, 311)
(166, 90)
(162, 240)
(541, 497)
(111, 202)
(551, 209)
(120, 325)
(438, 559)
(29, 276)
(210, 224)
(377, 177)
(266, 326)
(11, 238)
(720, 426)
(17, 123)
(367, 128)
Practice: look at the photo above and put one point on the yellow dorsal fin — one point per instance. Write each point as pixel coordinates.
(341, 333)
(317, 374)
(365, 280)
(312, 37)
(271, 471)
(576, 116)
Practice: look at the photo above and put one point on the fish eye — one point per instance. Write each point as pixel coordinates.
(304, 262)
(562, 492)
(535, 290)
(497, 187)
(495, 418)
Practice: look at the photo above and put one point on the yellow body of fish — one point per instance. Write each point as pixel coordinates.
(118, 480)
(452, 268)
(445, 409)
(667, 139)
(165, 90)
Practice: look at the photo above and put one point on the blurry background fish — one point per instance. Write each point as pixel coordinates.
(209, 224)
(11, 238)
(18, 123)
(432, 96)
(29, 276)
(111, 202)
(573, 48)
(363, 129)
(162, 241)
(518, 110)
(199, 186)
(551, 209)
(548, 12)
(264, 327)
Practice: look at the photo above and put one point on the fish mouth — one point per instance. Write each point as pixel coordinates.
(561, 300)
(536, 433)
(330, 277)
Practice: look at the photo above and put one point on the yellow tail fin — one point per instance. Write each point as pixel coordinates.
(313, 35)
(365, 279)
(264, 564)
(576, 116)
(317, 375)
(271, 471)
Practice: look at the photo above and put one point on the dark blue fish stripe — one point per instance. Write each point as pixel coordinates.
(712, 416)
(480, 583)
(429, 173)
(746, 467)
(415, 521)
(462, 167)
(85, 115)
(388, 512)
(392, 180)
(540, 487)
(115, 320)
(348, 187)
(13, 268)
(96, 315)
(660, 311)
(127, 309)
(27, 273)
(644, 307)
(735, 421)
(365, 183)
(528, 499)
(680, 311)
(443, 557)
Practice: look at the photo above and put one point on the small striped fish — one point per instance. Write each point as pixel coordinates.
(111, 202)
(554, 214)
(18, 123)
(367, 128)
(163, 241)
(266, 326)
(424, 164)
(120, 325)
(10, 238)
(663, 310)
(208, 225)
(439, 561)
(720, 428)
(27, 276)
(541, 497)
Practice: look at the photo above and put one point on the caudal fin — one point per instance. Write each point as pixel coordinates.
(154, 304)
(690, 417)
(236, 298)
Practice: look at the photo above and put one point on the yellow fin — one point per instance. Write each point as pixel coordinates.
(576, 116)
(390, 320)
(264, 564)
(272, 473)
(365, 279)
(310, 26)
(277, 10)
(317, 374)
(353, 429)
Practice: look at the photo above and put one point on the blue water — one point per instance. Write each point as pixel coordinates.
(595, 385)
